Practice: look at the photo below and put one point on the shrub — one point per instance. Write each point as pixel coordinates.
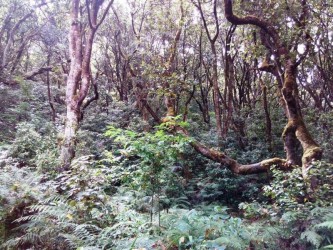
(36, 147)
(19, 189)
(72, 217)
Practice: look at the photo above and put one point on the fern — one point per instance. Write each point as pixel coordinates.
(328, 247)
(51, 225)
(326, 224)
(195, 230)
(68, 221)
(311, 236)
(19, 188)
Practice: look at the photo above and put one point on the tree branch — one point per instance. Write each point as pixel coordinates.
(253, 20)
(105, 13)
(30, 75)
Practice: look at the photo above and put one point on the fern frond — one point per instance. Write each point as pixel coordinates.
(328, 247)
(312, 237)
(86, 233)
(26, 238)
(71, 240)
(326, 224)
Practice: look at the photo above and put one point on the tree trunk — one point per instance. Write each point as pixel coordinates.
(49, 96)
(69, 142)
(73, 109)
(216, 96)
(216, 90)
(268, 129)
(296, 125)
(170, 96)
(78, 81)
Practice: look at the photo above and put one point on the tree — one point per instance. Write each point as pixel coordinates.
(81, 38)
(287, 63)
(18, 30)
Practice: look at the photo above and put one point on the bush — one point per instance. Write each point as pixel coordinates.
(19, 189)
(289, 191)
(36, 147)
(74, 215)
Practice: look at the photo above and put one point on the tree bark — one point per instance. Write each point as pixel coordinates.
(236, 167)
(296, 125)
(170, 96)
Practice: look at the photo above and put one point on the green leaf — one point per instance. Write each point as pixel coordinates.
(312, 237)
(326, 224)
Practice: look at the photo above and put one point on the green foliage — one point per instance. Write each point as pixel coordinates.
(156, 154)
(320, 183)
(7, 117)
(36, 147)
(72, 216)
(19, 188)
(321, 124)
(289, 190)
(253, 146)
(253, 210)
(211, 228)
(56, 224)
(307, 227)
(303, 206)
(131, 227)
(84, 184)
(213, 183)
(26, 104)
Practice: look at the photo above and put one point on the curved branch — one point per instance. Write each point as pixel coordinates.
(253, 20)
(198, 6)
(234, 166)
(11, 81)
(32, 74)
(96, 93)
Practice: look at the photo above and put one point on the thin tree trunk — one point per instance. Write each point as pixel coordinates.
(268, 129)
(72, 107)
(216, 90)
(216, 96)
(49, 96)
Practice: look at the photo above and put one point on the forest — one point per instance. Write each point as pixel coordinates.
(166, 124)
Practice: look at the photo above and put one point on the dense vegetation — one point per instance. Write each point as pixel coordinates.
(166, 124)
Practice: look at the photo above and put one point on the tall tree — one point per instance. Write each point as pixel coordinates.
(81, 38)
(287, 63)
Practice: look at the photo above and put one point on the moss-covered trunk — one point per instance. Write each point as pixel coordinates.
(296, 125)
